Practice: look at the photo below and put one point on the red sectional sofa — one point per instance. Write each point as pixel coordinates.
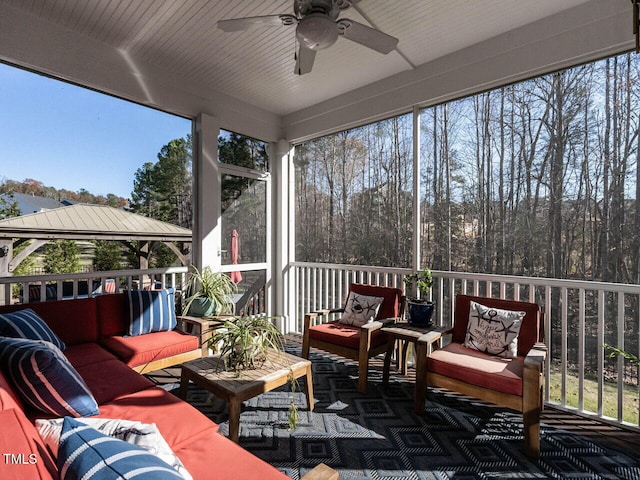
(109, 363)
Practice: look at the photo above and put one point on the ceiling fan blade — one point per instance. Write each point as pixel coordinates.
(367, 36)
(304, 60)
(237, 24)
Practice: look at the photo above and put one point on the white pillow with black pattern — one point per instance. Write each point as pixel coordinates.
(360, 309)
(144, 435)
(493, 330)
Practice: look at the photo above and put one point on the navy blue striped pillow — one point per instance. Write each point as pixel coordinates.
(28, 324)
(45, 379)
(151, 311)
(85, 453)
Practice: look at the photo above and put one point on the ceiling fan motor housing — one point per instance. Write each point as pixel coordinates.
(317, 31)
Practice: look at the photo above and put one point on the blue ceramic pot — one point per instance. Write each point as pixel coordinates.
(420, 313)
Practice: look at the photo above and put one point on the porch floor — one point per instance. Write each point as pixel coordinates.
(618, 438)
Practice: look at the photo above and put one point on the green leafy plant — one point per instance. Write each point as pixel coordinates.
(243, 341)
(615, 351)
(213, 287)
(420, 281)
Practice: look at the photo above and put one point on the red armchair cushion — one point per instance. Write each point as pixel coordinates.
(390, 307)
(344, 335)
(143, 349)
(87, 354)
(529, 331)
(477, 368)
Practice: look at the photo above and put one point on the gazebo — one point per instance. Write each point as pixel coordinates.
(88, 222)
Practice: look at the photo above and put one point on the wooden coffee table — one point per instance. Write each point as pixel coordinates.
(235, 388)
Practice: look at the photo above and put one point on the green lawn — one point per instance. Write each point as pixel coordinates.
(590, 396)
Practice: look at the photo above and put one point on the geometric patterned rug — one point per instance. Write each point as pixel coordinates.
(378, 435)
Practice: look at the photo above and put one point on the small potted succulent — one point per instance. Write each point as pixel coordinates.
(420, 308)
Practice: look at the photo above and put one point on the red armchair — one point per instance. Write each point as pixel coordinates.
(515, 383)
(350, 341)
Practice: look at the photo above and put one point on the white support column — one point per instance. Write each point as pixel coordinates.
(417, 224)
(282, 171)
(206, 193)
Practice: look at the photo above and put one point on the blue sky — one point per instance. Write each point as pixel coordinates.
(73, 138)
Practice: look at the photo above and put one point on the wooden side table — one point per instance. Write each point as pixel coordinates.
(404, 333)
(235, 388)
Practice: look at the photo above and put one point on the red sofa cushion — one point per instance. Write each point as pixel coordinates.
(528, 335)
(177, 421)
(87, 353)
(8, 397)
(143, 349)
(228, 461)
(344, 335)
(113, 314)
(477, 368)
(111, 379)
(74, 321)
(30, 458)
(390, 307)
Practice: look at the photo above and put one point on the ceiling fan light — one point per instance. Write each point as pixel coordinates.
(317, 31)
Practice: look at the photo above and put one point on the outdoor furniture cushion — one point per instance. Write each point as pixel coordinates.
(27, 324)
(151, 311)
(391, 305)
(178, 421)
(44, 378)
(142, 349)
(9, 398)
(74, 321)
(360, 309)
(237, 463)
(144, 435)
(344, 335)
(493, 330)
(120, 381)
(20, 437)
(84, 453)
(478, 368)
(87, 353)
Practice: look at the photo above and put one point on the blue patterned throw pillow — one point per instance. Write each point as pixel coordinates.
(85, 453)
(151, 311)
(44, 378)
(27, 324)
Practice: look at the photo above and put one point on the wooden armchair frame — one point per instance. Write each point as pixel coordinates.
(529, 403)
(366, 348)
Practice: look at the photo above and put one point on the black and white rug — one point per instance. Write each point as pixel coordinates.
(378, 435)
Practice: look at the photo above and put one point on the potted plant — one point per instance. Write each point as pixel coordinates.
(243, 343)
(209, 293)
(420, 309)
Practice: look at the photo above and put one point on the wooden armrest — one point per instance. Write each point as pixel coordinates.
(321, 472)
(378, 324)
(321, 313)
(536, 357)
(433, 336)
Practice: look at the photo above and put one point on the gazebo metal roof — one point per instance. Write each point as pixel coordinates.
(91, 222)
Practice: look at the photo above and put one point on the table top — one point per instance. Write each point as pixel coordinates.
(407, 331)
(277, 365)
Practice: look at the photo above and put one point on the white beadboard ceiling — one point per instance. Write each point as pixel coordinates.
(257, 65)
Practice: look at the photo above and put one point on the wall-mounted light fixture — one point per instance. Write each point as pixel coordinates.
(4, 251)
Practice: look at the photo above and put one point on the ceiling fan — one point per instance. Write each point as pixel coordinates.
(317, 28)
